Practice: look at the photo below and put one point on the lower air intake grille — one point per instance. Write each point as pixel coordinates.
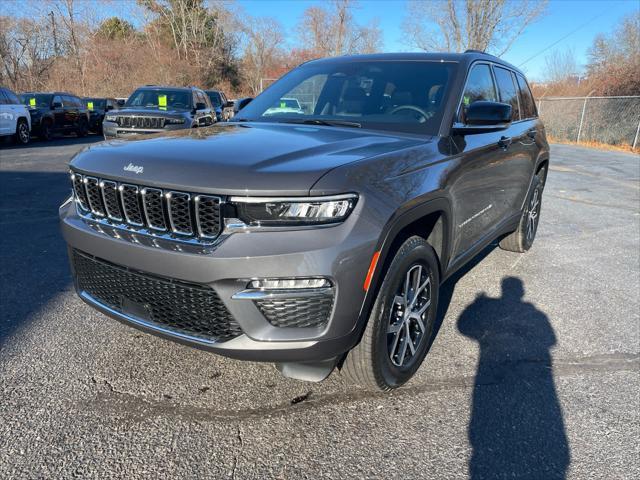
(173, 305)
(296, 312)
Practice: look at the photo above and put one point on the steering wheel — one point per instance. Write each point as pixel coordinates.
(412, 108)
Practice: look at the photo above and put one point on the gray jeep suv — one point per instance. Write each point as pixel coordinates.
(318, 238)
(156, 109)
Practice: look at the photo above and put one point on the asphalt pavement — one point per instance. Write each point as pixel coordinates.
(534, 372)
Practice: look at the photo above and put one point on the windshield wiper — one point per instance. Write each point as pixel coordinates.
(330, 123)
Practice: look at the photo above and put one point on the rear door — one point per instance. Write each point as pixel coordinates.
(520, 156)
(477, 186)
(5, 114)
(59, 117)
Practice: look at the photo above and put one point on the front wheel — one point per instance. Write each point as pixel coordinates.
(522, 239)
(397, 336)
(22, 135)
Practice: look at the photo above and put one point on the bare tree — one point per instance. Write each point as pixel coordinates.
(561, 66)
(458, 25)
(331, 30)
(264, 40)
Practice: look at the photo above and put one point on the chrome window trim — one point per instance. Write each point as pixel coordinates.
(103, 183)
(143, 194)
(121, 188)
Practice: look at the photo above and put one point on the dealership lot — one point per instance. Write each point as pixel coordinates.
(82, 395)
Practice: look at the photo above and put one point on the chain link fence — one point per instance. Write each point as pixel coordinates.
(609, 120)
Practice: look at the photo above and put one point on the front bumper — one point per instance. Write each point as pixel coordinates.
(112, 130)
(340, 253)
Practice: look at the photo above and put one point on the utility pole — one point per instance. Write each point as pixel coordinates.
(55, 37)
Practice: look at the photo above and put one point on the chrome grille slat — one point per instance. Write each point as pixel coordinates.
(110, 198)
(80, 193)
(94, 195)
(130, 204)
(178, 206)
(128, 121)
(153, 206)
(178, 216)
(207, 213)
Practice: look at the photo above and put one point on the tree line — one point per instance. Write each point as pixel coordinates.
(78, 46)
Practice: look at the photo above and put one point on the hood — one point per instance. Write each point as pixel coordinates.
(237, 159)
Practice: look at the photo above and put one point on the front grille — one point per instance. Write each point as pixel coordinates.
(179, 307)
(182, 215)
(126, 121)
(296, 312)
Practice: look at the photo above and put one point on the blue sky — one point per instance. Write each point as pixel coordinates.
(561, 17)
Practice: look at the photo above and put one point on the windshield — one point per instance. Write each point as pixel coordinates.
(94, 103)
(36, 100)
(215, 99)
(161, 99)
(404, 96)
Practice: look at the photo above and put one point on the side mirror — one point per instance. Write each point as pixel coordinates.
(228, 105)
(55, 105)
(200, 106)
(107, 108)
(484, 117)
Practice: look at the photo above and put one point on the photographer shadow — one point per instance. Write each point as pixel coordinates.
(516, 428)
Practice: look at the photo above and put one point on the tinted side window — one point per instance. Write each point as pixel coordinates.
(67, 101)
(12, 97)
(3, 98)
(479, 87)
(508, 90)
(526, 99)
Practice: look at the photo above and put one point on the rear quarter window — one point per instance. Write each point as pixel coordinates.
(526, 98)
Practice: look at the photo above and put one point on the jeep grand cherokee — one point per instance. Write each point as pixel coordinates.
(316, 238)
(155, 109)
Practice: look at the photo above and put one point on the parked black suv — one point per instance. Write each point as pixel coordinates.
(222, 106)
(320, 237)
(98, 107)
(154, 109)
(56, 112)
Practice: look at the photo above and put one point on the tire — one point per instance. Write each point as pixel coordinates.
(45, 130)
(522, 239)
(22, 135)
(380, 360)
(82, 130)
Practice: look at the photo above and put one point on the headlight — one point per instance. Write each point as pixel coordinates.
(111, 118)
(174, 121)
(294, 211)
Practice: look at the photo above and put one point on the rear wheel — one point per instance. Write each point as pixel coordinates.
(22, 135)
(397, 336)
(522, 239)
(45, 130)
(83, 129)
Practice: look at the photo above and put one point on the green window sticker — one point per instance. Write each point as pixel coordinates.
(466, 100)
(90, 105)
(283, 105)
(162, 102)
(32, 102)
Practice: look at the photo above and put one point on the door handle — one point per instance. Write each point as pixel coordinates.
(504, 142)
(532, 133)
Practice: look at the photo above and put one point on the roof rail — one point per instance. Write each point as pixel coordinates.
(471, 50)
